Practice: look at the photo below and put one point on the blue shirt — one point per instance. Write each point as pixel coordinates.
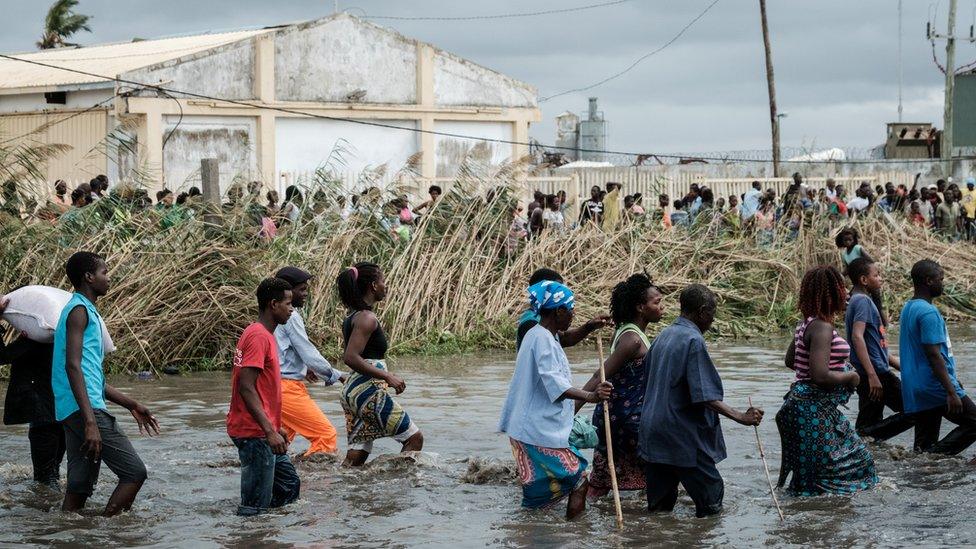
(92, 354)
(297, 354)
(534, 411)
(750, 204)
(675, 424)
(680, 218)
(922, 324)
(861, 308)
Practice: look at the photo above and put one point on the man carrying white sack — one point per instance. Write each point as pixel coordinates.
(30, 400)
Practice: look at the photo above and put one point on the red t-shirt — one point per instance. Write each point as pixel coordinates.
(255, 349)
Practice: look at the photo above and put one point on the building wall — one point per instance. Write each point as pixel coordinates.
(326, 61)
(228, 139)
(225, 71)
(84, 133)
(451, 152)
(306, 144)
(458, 82)
(33, 102)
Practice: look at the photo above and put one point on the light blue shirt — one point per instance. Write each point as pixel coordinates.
(750, 204)
(297, 354)
(92, 354)
(534, 411)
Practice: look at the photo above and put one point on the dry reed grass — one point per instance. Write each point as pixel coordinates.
(181, 296)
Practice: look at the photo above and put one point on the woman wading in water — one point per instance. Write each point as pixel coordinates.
(634, 304)
(538, 411)
(371, 411)
(820, 447)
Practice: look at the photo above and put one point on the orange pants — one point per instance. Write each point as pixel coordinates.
(300, 415)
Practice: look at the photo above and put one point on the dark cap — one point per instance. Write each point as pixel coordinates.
(293, 275)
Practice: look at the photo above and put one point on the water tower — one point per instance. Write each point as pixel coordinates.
(593, 134)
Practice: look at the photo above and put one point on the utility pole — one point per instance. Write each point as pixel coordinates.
(335, 6)
(901, 71)
(770, 82)
(949, 88)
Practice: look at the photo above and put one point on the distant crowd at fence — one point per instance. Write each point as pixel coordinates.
(942, 206)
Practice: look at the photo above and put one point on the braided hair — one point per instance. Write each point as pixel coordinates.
(354, 282)
(822, 293)
(627, 295)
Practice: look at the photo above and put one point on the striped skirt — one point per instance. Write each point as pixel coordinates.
(370, 409)
(547, 474)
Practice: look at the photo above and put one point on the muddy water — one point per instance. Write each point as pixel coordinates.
(435, 500)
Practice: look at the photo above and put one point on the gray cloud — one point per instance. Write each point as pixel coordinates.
(835, 60)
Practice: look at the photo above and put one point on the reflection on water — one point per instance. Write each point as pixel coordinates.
(459, 491)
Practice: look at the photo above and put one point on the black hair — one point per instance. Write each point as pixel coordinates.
(822, 293)
(95, 184)
(80, 264)
(858, 268)
(76, 194)
(271, 289)
(839, 239)
(291, 193)
(435, 189)
(924, 270)
(353, 283)
(194, 191)
(694, 298)
(545, 274)
(627, 295)
(162, 194)
(181, 198)
(678, 204)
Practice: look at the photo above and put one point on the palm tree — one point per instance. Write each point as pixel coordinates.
(61, 22)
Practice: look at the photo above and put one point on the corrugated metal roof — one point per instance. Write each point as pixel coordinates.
(109, 59)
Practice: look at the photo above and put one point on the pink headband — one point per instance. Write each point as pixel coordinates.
(355, 273)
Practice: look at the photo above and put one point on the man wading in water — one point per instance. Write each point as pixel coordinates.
(268, 478)
(300, 360)
(80, 392)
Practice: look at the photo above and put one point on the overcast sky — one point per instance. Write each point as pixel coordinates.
(836, 61)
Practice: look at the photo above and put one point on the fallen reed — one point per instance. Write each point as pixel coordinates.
(181, 296)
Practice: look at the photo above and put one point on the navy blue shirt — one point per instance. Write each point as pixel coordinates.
(676, 425)
(861, 308)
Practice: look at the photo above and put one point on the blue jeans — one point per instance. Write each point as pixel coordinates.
(267, 480)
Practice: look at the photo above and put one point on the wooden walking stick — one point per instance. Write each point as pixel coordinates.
(606, 431)
(769, 479)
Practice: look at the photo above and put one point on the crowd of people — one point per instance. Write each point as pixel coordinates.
(942, 206)
(665, 395)
(93, 204)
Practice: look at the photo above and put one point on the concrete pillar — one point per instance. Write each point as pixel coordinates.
(150, 137)
(266, 148)
(425, 98)
(520, 134)
(264, 91)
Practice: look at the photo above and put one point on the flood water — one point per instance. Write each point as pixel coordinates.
(193, 489)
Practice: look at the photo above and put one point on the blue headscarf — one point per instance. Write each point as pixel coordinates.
(550, 295)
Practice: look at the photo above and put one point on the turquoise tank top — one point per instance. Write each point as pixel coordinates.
(92, 354)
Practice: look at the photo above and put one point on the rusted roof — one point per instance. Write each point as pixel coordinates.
(108, 59)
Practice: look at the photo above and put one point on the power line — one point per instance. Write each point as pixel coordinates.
(501, 16)
(166, 90)
(640, 60)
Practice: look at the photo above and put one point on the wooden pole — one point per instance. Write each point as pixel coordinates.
(950, 84)
(769, 479)
(210, 180)
(771, 85)
(606, 431)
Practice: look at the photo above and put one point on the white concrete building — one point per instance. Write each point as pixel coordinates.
(341, 69)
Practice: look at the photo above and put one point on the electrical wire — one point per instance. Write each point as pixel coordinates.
(640, 60)
(165, 90)
(502, 16)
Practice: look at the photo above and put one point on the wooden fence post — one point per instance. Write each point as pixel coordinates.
(210, 179)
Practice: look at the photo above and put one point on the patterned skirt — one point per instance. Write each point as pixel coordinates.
(370, 409)
(820, 447)
(547, 474)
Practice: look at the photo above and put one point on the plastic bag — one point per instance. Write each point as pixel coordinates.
(583, 435)
(35, 311)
